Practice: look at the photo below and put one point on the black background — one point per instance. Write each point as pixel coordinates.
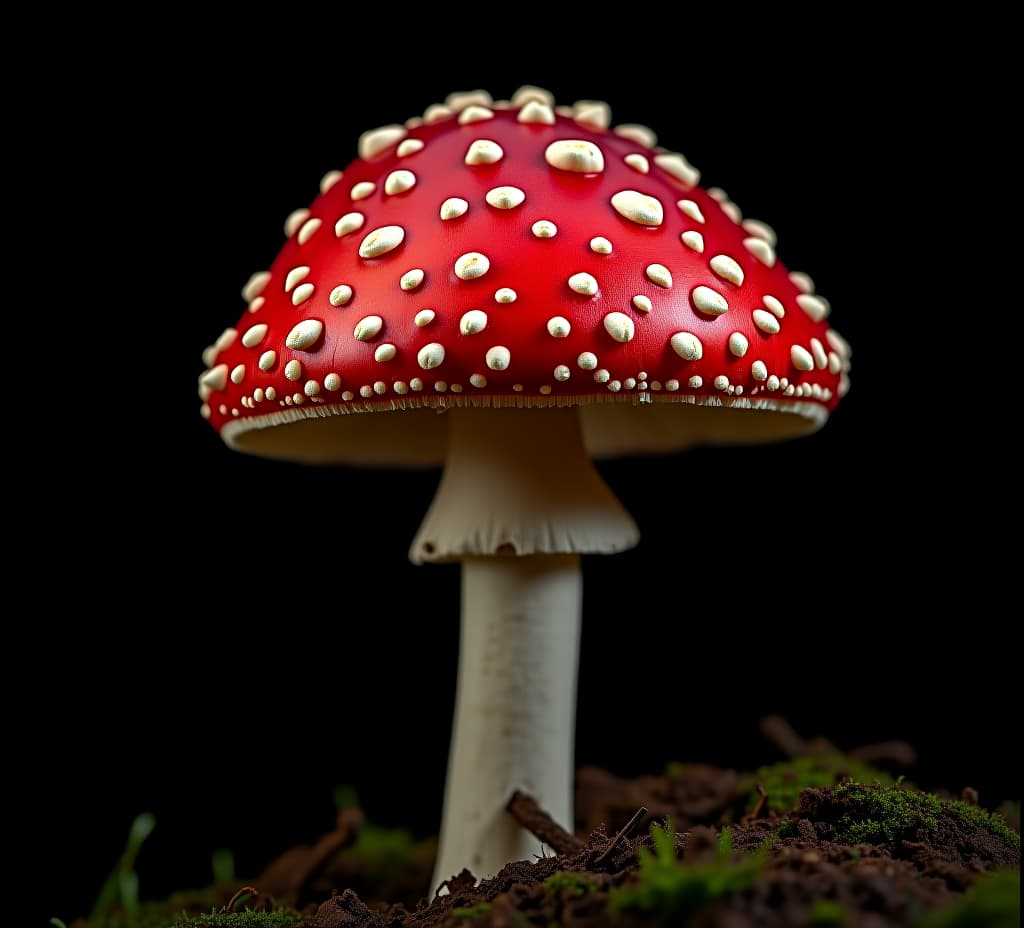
(244, 634)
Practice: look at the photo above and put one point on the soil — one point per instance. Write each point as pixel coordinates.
(697, 845)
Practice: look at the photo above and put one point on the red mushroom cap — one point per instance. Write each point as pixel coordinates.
(520, 255)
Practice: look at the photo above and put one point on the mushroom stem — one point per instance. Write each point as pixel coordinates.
(515, 708)
(518, 503)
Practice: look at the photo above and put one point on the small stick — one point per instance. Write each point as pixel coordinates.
(533, 818)
(624, 833)
(233, 901)
(763, 793)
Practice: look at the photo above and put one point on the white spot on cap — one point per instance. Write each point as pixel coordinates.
(484, 151)
(803, 282)
(424, 317)
(293, 370)
(801, 358)
(471, 265)
(267, 360)
(254, 335)
(576, 155)
(368, 327)
(498, 358)
(295, 219)
(332, 382)
(256, 305)
(637, 133)
(814, 306)
(271, 394)
(399, 182)
(709, 301)
(329, 180)
(304, 334)
(226, 339)
(429, 357)
(256, 284)
(687, 346)
(738, 344)
(544, 228)
(583, 283)
(536, 112)
(818, 351)
(385, 352)
(695, 383)
(472, 322)
(727, 268)
(340, 295)
(760, 230)
(595, 113)
(559, 327)
(366, 391)
(376, 140)
(362, 190)
(637, 162)
(835, 363)
(693, 240)
(435, 113)
(350, 222)
(839, 343)
(302, 293)
(505, 197)
(529, 92)
(216, 378)
(459, 100)
(602, 375)
(473, 114)
(401, 387)
(308, 230)
(761, 250)
(505, 295)
(675, 165)
(690, 209)
(204, 411)
(766, 322)
(642, 303)
(478, 380)
(759, 371)
(380, 241)
(773, 383)
(774, 306)
(587, 361)
(562, 373)
(409, 147)
(411, 279)
(721, 382)
(295, 276)
(659, 274)
(600, 245)
(638, 207)
(454, 207)
(311, 388)
(619, 326)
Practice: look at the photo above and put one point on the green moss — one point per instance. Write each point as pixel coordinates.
(784, 782)
(885, 814)
(992, 902)
(464, 913)
(827, 912)
(670, 890)
(171, 914)
(575, 883)
(385, 852)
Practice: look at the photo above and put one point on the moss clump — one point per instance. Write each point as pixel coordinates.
(877, 814)
(575, 884)
(464, 913)
(385, 852)
(675, 891)
(827, 912)
(785, 781)
(992, 902)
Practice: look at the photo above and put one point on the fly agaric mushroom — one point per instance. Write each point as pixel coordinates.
(562, 291)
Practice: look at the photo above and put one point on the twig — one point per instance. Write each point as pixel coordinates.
(763, 793)
(533, 818)
(780, 733)
(624, 833)
(233, 901)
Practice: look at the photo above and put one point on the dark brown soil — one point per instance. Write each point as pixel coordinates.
(806, 868)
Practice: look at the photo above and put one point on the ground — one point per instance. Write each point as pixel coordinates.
(824, 838)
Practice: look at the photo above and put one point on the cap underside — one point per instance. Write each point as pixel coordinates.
(410, 432)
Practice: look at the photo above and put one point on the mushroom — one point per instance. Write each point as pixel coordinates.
(562, 291)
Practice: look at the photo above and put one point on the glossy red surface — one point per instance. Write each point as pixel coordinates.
(340, 372)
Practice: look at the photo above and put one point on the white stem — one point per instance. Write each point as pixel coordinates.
(515, 708)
